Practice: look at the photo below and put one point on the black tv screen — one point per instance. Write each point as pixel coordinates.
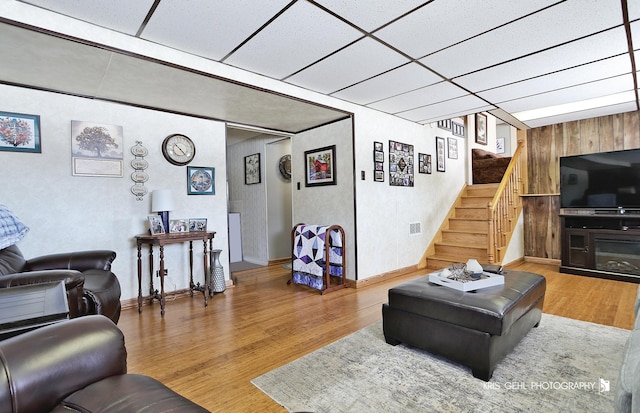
(601, 180)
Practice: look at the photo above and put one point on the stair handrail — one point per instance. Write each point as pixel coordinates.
(504, 208)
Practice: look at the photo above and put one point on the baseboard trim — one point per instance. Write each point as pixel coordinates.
(384, 277)
(540, 260)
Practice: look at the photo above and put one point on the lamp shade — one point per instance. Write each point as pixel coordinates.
(161, 200)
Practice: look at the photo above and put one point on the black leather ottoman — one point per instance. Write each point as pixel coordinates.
(476, 329)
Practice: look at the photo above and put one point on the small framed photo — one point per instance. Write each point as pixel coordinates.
(378, 176)
(320, 166)
(481, 128)
(457, 129)
(444, 124)
(440, 154)
(424, 163)
(252, 173)
(500, 145)
(197, 224)
(178, 225)
(200, 180)
(378, 156)
(155, 225)
(377, 146)
(452, 144)
(19, 132)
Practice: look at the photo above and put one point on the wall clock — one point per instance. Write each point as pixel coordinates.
(178, 149)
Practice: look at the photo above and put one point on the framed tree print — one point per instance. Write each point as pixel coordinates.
(19, 132)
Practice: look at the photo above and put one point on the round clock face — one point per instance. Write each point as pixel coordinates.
(178, 149)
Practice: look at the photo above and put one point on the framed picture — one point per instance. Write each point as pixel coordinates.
(457, 129)
(97, 149)
(378, 156)
(440, 155)
(197, 224)
(481, 128)
(444, 124)
(200, 180)
(178, 225)
(155, 224)
(19, 132)
(500, 145)
(452, 144)
(400, 164)
(252, 173)
(378, 176)
(377, 146)
(424, 163)
(320, 166)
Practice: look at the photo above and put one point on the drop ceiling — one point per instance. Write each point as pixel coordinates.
(419, 60)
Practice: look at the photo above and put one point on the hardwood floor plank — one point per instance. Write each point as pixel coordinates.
(210, 354)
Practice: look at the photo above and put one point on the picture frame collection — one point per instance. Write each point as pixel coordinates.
(176, 226)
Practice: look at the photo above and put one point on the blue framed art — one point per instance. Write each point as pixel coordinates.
(200, 180)
(19, 132)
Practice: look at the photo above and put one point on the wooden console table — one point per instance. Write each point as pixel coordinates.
(164, 239)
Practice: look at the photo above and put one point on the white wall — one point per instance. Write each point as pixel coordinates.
(279, 201)
(68, 213)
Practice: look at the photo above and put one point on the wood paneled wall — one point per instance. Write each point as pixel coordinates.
(545, 145)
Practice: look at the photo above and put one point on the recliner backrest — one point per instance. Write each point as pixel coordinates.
(11, 260)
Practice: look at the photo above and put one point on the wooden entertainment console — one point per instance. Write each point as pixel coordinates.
(601, 243)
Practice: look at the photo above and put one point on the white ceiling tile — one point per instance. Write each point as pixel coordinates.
(585, 91)
(297, 38)
(421, 97)
(214, 28)
(613, 66)
(585, 114)
(361, 60)
(537, 32)
(606, 44)
(394, 82)
(467, 103)
(634, 9)
(125, 16)
(442, 23)
(372, 15)
(635, 35)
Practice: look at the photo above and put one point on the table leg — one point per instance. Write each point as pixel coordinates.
(191, 283)
(152, 291)
(206, 285)
(210, 269)
(139, 277)
(162, 297)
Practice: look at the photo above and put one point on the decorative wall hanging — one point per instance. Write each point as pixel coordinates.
(284, 166)
(200, 180)
(424, 163)
(444, 124)
(400, 164)
(378, 162)
(452, 144)
(440, 149)
(139, 176)
(500, 145)
(481, 128)
(96, 150)
(457, 129)
(252, 169)
(19, 132)
(320, 166)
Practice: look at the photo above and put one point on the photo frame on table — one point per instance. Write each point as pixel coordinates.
(440, 154)
(481, 129)
(252, 174)
(201, 180)
(19, 132)
(178, 225)
(155, 225)
(452, 146)
(424, 163)
(197, 224)
(320, 166)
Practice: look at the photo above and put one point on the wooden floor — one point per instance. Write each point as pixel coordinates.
(210, 354)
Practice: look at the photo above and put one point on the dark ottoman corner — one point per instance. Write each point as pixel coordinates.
(477, 328)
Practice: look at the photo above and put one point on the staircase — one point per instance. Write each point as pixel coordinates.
(480, 222)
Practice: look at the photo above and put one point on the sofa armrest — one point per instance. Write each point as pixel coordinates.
(43, 366)
(80, 261)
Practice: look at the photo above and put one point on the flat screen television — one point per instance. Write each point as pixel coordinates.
(601, 180)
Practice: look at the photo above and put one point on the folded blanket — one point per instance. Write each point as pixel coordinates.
(309, 254)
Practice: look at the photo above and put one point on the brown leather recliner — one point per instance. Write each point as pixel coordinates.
(78, 365)
(91, 286)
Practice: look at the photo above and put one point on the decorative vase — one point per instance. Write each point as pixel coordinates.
(219, 284)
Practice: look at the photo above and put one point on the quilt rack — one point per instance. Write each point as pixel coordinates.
(318, 257)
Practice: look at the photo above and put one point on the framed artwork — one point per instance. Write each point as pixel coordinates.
(400, 164)
(378, 176)
(378, 162)
(500, 145)
(444, 124)
(155, 224)
(178, 225)
(197, 224)
(440, 149)
(96, 149)
(252, 173)
(320, 166)
(481, 128)
(457, 129)
(200, 180)
(377, 146)
(424, 163)
(452, 144)
(19, 132)
(378, 156)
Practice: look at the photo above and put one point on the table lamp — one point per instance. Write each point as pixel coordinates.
(162, 203)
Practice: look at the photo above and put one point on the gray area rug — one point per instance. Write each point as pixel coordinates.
(564, 365)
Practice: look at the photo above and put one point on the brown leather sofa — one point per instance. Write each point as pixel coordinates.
(79, 365)
(91, 287)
